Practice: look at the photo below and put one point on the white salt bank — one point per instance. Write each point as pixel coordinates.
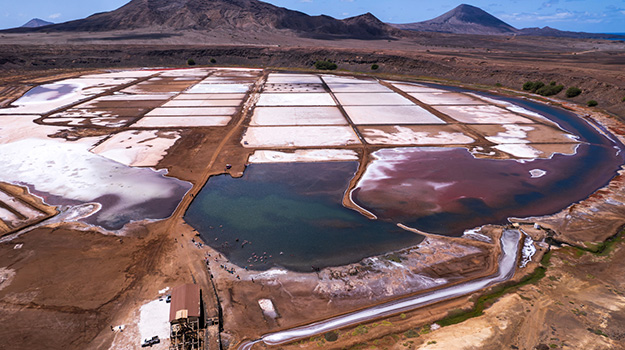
(303, 136)
(138, 148)
(304, 156)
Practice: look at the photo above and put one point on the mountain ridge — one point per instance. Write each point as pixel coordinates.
(235, 15)
(247, 17)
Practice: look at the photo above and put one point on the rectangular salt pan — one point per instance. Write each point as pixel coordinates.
(182, 122)
(185, 73)
(227, 80)
(341, 87)
(200, 111)
(525, 133)
(153, 90)
(416, 88)
(362, 115)
(299, 136)
(446, 98)
(291, 88)
(410, 135)
(203, 103)
(185, 96)
(128, 97)
(335, 79)
(296, 99)
(303, 155)
(482, 115)
(298, 116)
(372, 99)
(218, 88)
(293, 79)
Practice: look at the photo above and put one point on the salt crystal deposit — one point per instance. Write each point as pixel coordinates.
(298, 116)
(137, 148)
(372, 115)
(182, 122)
(402, 135)
(372, 99)
(296, 99)
(304, 136)
(312, 155)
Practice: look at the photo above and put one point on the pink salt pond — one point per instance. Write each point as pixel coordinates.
(447, 190)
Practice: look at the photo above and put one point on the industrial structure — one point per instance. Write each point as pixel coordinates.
(186, 317)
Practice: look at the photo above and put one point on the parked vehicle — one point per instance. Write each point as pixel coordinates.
(149, 342)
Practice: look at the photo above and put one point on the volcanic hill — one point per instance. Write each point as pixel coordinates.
(467, 19)
(464, 19)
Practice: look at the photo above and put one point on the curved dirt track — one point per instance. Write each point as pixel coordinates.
(507, 263)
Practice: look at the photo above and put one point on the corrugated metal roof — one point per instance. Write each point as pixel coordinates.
(185, 302)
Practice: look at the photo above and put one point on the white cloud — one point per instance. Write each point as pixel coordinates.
(54, 16)
(531, 17)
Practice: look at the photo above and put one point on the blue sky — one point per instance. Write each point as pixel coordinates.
(601, 16)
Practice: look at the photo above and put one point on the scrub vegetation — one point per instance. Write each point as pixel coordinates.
(544, 90)
(325, 65)
(573, 91)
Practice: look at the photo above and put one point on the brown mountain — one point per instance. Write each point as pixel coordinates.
(235, 15)
(464, 19)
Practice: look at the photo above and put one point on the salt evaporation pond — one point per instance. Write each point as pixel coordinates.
(293, 217)
(65, 173)
(447, 191)
(295, 209)
(49, 92)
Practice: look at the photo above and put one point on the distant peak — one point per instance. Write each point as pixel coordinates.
(462, 6)
(36, 22)
(367, 15)
(464, 19)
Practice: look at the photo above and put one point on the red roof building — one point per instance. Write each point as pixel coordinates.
(185, 302)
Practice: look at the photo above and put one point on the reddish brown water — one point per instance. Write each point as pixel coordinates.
(447, 191)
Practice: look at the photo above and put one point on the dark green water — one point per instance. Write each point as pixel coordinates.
(293, 217)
